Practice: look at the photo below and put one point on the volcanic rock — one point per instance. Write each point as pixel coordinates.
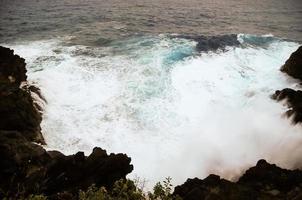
(294, 102)
(264, 181)
(293, 66)
(17, 109)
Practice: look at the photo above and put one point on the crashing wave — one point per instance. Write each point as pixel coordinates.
(167, 100)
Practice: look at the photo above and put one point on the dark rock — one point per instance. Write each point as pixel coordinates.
(21, 164)
(265, 174)
(12, 68)
(17, 112)
(71, 173)
(293, 66)
(29, 166)
(37, 91)
(294, 102)
(264, 181)
(17, 109)
(213, 43)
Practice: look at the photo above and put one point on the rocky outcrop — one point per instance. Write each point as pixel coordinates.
(294, 102)
(12, 68)
(293, 66)
(264, 181)
(213, 43)
(25, 166)
(17, 109)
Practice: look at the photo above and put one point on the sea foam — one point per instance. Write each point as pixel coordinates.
(174, 111)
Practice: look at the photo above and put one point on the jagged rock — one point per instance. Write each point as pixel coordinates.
(294, 102)
(75, 172)
(17, 112)
(12, 68)
(17, 109)
(293, 66)
(29, 166)
(265, 175)
(264, 181)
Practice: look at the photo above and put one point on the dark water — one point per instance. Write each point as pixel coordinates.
(98, 22)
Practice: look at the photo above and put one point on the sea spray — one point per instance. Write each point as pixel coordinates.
(175, 111)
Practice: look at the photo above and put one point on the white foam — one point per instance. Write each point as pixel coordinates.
(207, 114)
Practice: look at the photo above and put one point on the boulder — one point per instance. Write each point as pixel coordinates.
(293, 66)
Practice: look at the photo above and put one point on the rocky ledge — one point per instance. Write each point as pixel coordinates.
(25, 166)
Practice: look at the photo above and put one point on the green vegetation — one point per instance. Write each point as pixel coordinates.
(128, 190)
(122, 190)
(163, 191)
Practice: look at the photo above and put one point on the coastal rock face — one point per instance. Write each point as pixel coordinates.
(293, 66)
(26, 167)
(264, 181)
(12, 68)
(17, 109)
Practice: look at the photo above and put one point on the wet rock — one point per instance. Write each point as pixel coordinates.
(12, 68)
(213, 43)
(294, 102)
(264, 181)
(17, 110)
(293, 66)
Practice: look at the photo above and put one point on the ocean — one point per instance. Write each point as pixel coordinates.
(182, 87)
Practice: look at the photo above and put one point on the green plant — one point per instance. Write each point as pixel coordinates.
(163, 191)
(94, 193)
(122, 190)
